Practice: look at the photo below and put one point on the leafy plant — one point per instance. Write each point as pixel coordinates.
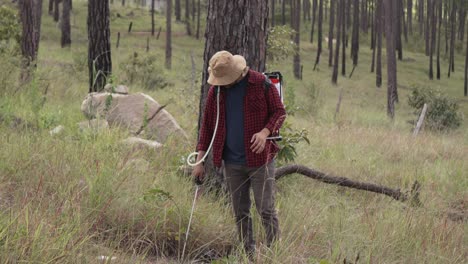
(442, 113)
(9, 27)
(291, 137)
(279, 45)
(145, 71)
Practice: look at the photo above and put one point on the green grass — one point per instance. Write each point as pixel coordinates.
(76, 196)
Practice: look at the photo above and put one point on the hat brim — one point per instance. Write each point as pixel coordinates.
(237, 69)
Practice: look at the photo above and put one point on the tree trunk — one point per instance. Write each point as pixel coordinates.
(314, 13)
(296, 23)
(56, 10)
(283, 12)
(197, 35)
(391, 60)
(176, 9)
(152, 18)
(452, 39)
(397, 19)
(66, 35)
(188, 26)
(231, 33)
(123, 2)
(344, 36)
(99, 49)
(421, 16)
(339, 9)
(461, 23)
(465, 90)
(409, 14)
(168, 34)
(273, 13)
(330, 32)
(319, 33)
(355, 37)
(438, 38)
(427, 31)
(403, 20)
(30, 15)
(379, 28)
(433, 37)
(51, 7)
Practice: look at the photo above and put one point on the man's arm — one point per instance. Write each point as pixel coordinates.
(208, 122)
(276, 111)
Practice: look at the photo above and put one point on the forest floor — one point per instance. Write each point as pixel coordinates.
(74, 197)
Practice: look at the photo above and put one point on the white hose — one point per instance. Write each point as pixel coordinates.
(194, 154)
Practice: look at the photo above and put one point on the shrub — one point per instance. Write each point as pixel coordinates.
(442, 113)
(145, 71)
(9, 28)
(279, 45)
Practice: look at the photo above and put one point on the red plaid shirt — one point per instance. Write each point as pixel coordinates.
(262, 109)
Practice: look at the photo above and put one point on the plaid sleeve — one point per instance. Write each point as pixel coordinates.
(207, 126)
(276, 111)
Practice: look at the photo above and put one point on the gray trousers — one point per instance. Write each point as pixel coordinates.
(239, 179)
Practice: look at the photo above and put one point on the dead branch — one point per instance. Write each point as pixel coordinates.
(396, 194)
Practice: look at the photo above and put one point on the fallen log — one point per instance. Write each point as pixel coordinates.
(412, 196)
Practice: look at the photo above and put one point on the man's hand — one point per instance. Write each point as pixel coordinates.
(259, 140)
(199, 170)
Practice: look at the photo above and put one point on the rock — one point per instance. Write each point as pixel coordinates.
(133, 111)
(142, 143)
(94, 124)
(119, 89)
(59, 129)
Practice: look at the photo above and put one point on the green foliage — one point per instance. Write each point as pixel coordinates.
(145, 71)
(442, 113)
(279, 45)
(9, 28)
(291, 137)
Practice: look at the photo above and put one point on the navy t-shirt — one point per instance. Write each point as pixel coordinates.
(234, 151)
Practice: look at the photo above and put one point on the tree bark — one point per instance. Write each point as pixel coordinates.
(379, 29)
(99, 49)
(439, 37)
(409, 14)
(152, 18)
(296, 22)
(273, 13)
(330, 32)
(397, 19)
(391, 60)
(355, 36)
(314, 13)
(168, 63)
(176, 10)
(433, 37)
(339, 9)
(319, 33)
(30, 15)
(197, 34)
(51, 7)
(56, 10)
(344, 37)
(465, 90)
(452, 39)
(66, 28)
(283, 12)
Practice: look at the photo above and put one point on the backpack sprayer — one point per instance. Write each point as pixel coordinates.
(274, 78)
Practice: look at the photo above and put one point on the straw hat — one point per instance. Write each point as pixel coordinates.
(226, 68)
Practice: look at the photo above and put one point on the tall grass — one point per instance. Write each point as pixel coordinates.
(77, 196)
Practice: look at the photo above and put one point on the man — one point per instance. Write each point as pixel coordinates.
(250, 111)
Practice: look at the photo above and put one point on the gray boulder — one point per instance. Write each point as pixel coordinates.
(137, 112)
